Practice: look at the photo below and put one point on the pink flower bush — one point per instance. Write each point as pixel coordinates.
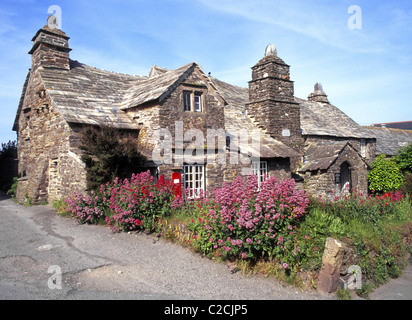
(85, 208)
(248, 222)
(126, 205)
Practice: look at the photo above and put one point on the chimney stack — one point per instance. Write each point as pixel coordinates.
(318, 95)
(272, 103)
(50, 49)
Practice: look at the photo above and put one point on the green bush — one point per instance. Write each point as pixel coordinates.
(13, 189)
(108, 153)
(404, 159)
(385, 175)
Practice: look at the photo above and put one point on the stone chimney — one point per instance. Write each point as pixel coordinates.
(272, 103)
(50, 49)
(318, 95)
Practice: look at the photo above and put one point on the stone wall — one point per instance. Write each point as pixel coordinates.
(46, 169)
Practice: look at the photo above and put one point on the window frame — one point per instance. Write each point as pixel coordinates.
(187, 100)
(197, 104)
(194, 178)
(192, 101)
(260, 169)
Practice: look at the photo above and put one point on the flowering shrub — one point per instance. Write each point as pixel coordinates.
(369, 208)
(125, 204)
(85, 208)
(245, 222)
(138, 203)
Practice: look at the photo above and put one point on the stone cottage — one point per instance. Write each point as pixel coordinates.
(187, 125)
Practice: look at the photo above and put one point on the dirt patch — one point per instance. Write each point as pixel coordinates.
(116, 278)
(17, 266)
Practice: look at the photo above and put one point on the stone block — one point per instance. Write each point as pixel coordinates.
(331, 263)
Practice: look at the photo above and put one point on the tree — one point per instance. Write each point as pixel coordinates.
(385, 175)
(8, 164)
(108, 153)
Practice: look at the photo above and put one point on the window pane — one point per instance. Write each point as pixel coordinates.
(194, 179)
(186, 101)
(260, 169)
(198, 103)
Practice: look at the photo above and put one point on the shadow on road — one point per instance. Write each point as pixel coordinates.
(4, 196)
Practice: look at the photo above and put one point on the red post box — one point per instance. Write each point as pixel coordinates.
(176, 179)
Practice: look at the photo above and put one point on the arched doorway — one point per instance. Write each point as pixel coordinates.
(345, 178)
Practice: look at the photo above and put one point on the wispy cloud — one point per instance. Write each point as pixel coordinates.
(323, 22)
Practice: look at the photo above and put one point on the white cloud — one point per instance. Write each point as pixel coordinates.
(324, 23)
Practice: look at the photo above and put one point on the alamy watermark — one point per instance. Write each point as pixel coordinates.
(55, 19)
(355, 278)
(355, 20)
(196, 146)
(55, 280)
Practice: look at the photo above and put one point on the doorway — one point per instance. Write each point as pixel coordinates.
(345, 176)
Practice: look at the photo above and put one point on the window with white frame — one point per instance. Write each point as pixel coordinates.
(194, 179)
(260, 169)
(198, 102)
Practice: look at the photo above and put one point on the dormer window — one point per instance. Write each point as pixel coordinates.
(192, 101)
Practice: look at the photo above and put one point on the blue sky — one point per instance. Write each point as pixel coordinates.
(365, 72)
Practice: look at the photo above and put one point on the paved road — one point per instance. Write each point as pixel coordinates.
(396, 289)
(45, 256)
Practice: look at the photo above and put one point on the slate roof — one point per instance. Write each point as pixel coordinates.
(155, 87)
(389, 141)
(319, 155)
(89, 95)
(404, 125)
(325, 119)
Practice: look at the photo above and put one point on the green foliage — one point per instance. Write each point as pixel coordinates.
(13, 189)
(374, 225)
(61, 207)
(407, 183)
(385, 175)
(404, 159)
(109, 153)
